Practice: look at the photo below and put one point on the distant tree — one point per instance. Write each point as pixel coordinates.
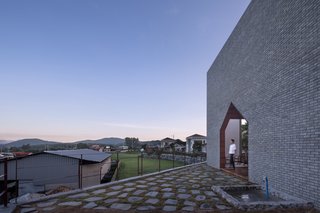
(144, 146)
(159, 151)
(197, 146)
(132, 143)
(14, 149)
(244, 137)
(173, 147)
(149, 150)
(82, 146)
(26, 147)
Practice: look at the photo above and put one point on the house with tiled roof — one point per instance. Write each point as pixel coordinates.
(166, 142)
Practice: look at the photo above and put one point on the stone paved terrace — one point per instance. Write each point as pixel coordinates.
(186, 190)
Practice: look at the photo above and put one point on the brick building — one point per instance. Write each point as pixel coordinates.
(268, 72)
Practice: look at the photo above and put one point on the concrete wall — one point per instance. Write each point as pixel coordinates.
(93, 173)
(270, 70)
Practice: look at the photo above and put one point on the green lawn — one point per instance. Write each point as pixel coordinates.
(129, 164)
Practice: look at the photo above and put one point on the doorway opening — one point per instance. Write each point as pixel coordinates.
(234, 127)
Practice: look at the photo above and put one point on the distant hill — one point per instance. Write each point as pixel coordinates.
(30, 141)
(104, 141)
(4, 141)
(37, 142)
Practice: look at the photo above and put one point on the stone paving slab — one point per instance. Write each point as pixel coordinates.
(134, 199)
(186, 190)
(121, 206)
(113, 193)
(92, 199)
(188, 209)
(71, 203)
(99, 191)
(168, 194)
(111, 200)
(169, 208)
(146, 208)
(152, 201)
(101, 208)
(90, 205)
(49, 208)
(46, 204)
(28, 210)
(189, 203)
(183, 196)
(80, 195)
(152, 194)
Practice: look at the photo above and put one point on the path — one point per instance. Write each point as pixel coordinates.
(187, 189)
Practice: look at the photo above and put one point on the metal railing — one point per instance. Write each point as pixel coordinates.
(136, 164)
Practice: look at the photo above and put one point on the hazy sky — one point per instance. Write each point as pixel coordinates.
(78, 69)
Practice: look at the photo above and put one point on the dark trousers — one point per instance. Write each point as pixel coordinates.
(232, 160)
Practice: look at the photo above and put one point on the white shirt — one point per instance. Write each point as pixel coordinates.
(232, 149)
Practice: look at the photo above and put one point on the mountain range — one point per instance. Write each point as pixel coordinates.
(36, 141)
(4, 142)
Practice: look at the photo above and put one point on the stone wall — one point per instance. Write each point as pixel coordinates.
(270, 70)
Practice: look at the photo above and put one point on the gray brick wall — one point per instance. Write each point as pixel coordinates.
(269, 69)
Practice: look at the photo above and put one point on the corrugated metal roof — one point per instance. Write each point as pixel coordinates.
(87, 154)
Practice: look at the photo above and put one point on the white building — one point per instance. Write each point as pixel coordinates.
(196, 138)
(49, 169)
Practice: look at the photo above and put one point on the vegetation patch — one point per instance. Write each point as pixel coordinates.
(131, 166)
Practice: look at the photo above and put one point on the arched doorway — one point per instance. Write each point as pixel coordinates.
(234, 127)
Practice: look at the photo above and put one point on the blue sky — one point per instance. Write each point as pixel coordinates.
(78, 69)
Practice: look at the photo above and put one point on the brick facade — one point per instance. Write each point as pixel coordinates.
(269, 69)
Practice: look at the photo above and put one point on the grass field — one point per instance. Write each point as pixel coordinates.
(129, 164)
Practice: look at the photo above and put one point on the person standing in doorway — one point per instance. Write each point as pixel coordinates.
(232, 152)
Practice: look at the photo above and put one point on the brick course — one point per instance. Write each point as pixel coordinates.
(269, 68)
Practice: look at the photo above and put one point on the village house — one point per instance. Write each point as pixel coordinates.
(166, 143)
(196, 139)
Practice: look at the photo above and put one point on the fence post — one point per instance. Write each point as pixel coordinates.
(117, 169)
(141, 163)
(17, 186)
(5, 182)
(138, 165)
(159, 158)
(173, 159)
(81, 172)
